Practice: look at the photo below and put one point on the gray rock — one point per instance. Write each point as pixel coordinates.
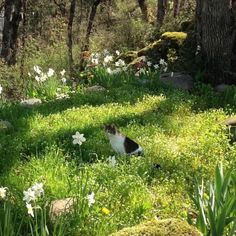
(221, 88)
(95, 88)
(231, 124)
(178, 80)
(5, 125)
(31, 102)
(61, 206)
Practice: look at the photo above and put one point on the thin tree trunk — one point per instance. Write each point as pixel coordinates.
(90, 24)
(70, 36)
(144, 9)
(215, 37)
(176, 8)
(24, 35)
(12, 17)
(161, 11)
(62, 7)
(80, 22)
(182, 4)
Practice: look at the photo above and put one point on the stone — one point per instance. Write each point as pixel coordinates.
(178, 80)
(167, 227)
(61, 206)
(95, 88)
(231, 124)
(5, 125)
(31, 102)
(221, 88)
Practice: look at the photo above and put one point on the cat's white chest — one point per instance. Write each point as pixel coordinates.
(117, 143)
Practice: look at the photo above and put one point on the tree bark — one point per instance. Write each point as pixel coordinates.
(215, 37)
(70, 36)
(144, 9)
(176, 8)
(12, 17)
(24, 35)
(90, 24)
(161, 11)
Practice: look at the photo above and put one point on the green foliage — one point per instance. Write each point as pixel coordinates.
(217, 207)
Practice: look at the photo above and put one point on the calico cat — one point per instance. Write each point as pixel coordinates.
(121, 143)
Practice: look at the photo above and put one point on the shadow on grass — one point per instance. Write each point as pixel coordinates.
(17, 146)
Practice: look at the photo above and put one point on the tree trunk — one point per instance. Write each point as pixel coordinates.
(215, 37)
(12, 17)
(161, 11)
(176, 8)
(70, 36)
(144, 9)
(24, 36)
(90, 24)
(233, 63)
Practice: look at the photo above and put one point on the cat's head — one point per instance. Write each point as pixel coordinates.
(110, 129)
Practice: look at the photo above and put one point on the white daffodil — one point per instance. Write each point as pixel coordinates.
(156, 66)
(171, 74)
(112, 160)
(108, 59)
(43, 77)
(162, 62)
(149, 63)
(0, 89)
(29, 195)
(29, 74)
(78, 138)
(117, 53)
(30, 209)
(63, 80)
(109, 70)
(61, 96)
(63, 72)
(165, 69)
(91, 199)
(50, 72)
(3, 192)
(38, 189)
(142, 71)
(116, 71)
(120, 63)
(37, 78)
(37, 69)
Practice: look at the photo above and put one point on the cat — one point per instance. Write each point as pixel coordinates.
(121, 143)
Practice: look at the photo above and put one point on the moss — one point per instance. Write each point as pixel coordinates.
(160, 48)
(173, 227)
(128, 56)
(174, 37)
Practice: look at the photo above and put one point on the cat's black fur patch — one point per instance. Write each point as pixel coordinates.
(157, 166)
(130, 145)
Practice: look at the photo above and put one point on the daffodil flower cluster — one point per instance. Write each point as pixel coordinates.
(31, 195)
(41, 76)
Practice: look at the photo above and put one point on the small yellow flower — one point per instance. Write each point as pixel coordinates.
(105, 211)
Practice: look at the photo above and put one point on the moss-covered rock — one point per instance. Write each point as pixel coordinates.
(128, 56)
(160, 48)
(170, 227)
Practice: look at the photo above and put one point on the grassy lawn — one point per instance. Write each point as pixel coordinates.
(177, 130)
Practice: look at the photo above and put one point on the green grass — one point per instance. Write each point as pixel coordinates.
(176, 130)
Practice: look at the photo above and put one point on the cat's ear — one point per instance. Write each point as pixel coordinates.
(113, 126)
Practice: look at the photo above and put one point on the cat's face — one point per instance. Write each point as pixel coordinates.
(110, 129)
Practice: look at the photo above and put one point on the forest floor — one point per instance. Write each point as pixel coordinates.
(175, 129)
